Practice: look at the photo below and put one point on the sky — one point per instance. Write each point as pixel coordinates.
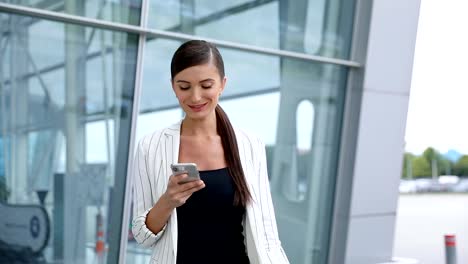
(438, 106)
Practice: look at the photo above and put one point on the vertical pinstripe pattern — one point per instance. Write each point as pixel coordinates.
(157, 151)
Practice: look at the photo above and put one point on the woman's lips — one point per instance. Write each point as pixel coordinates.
(198, 108)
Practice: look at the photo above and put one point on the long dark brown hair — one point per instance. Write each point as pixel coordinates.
(197, 52)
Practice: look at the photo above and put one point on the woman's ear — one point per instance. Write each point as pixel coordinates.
(223, 84)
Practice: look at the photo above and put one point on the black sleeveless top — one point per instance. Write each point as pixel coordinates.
(209, 225)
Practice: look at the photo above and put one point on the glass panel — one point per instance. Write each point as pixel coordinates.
(157, 92)
(127, 12)
(305, 110)
(64, 131)
(296, 108)
(316, 27)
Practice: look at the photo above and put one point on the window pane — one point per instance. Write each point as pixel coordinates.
(64, 123)
(127, 12)
(316, 27)
(243, 78)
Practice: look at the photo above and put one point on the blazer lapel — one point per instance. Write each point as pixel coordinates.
(172, 135)
(173, 142)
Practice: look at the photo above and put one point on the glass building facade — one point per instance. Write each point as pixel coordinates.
(82, 81)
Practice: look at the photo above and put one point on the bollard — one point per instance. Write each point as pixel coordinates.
(450, 249)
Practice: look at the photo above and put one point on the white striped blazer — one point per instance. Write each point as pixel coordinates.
(151, 171)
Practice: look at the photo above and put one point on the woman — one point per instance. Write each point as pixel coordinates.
(225, 217)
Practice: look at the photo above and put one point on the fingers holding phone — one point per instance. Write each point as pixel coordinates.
(184, 181)
(190, 169)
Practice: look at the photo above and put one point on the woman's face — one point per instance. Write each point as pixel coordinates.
(198, 88)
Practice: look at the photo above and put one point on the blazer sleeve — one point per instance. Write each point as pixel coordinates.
(273, 246)
(142, 199)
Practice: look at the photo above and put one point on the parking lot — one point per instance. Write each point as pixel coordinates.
(422, 221)
(441, 184)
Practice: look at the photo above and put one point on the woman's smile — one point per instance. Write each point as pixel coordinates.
(198, 107)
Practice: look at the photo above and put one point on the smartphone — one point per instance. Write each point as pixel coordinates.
(189, 168)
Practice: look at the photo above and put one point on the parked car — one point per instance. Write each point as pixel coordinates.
(461, 186)
(424, 184)
(444, 183)
(407, 186)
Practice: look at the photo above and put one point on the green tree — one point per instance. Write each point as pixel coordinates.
(461, 166)
(421, 167)
(407, 170)
(430, 153)
(444, 165)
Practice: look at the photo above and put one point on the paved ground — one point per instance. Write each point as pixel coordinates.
(422, 221)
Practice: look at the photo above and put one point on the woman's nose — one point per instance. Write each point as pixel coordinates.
(196, 94)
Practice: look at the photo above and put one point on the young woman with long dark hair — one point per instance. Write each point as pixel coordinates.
(225, 217)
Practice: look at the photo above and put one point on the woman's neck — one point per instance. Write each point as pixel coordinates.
(199, 127)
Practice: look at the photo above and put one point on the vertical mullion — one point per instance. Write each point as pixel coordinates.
(349, 133)
(135, 112)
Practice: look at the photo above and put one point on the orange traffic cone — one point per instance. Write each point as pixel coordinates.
(100, 243)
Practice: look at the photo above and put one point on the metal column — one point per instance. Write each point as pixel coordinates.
(75, 85)
(19, 97)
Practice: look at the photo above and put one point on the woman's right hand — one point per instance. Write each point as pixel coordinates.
(176, 195)
(177, 192)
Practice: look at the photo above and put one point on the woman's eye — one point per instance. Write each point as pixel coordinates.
(184, 87)
(206, 86)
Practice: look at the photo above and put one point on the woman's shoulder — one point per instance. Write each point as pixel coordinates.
(245, 136)
(155, 136)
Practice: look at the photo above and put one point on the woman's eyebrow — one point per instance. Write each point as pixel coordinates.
(209, 79)
(178, 81)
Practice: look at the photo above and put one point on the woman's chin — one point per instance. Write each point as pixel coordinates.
(194, 115)
(198, 115)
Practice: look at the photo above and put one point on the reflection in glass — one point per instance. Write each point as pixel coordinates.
(157, 91)
(244, 77)
(303, 182)
(305, 111)
(127, 12)
(65, 100)
(316, 27)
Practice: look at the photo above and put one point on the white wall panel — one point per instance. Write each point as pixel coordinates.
(380, 136)
(368, 241)
(391, 45)
(379, 153)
